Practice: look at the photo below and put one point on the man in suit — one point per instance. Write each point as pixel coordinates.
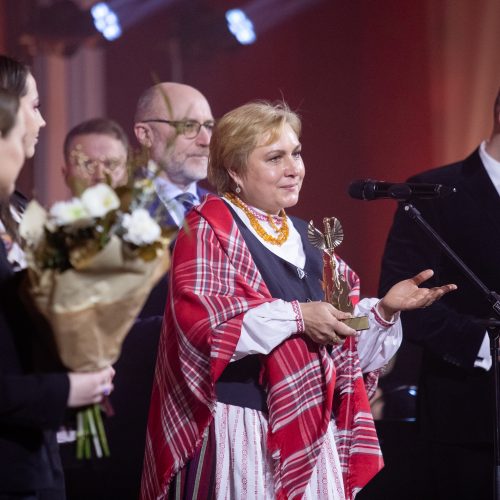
(94, 151)
(174, 123)
(455, 393)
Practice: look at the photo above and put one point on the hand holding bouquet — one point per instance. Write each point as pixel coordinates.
(92, 262)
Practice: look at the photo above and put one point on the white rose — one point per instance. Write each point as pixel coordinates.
(99, 200)
(68, 212)
(140, 228)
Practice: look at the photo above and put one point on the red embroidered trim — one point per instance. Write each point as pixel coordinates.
(378, 318)
(298, 316)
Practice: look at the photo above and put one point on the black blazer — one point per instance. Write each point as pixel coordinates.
(455, 401)
(32, 403)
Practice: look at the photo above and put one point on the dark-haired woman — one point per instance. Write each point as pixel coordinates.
(32, 400)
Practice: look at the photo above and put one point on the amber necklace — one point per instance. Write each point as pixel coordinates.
(282, 231)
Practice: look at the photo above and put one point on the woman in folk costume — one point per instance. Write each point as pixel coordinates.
(260, 388)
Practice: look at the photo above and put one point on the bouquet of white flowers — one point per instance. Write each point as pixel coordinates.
(92, 262)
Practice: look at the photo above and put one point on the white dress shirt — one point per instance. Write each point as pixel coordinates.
(376, 346)
(167, 192)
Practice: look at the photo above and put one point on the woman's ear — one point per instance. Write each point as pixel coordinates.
(236, 178)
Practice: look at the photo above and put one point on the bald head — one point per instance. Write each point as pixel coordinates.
(161, 114)
(167, 99)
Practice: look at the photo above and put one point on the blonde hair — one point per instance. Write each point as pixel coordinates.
(238, 133)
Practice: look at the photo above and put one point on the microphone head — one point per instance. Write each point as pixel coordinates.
(356, 189)
(367, 189)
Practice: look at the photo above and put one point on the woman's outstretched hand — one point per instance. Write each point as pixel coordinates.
(407, 295)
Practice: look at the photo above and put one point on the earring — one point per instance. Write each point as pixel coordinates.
(237, 189)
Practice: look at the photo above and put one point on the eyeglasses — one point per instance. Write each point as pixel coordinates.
(90, 165)
(108, 164)
(188, 128)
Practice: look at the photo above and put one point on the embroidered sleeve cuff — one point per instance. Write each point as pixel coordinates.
(380, 320)
(299, 320)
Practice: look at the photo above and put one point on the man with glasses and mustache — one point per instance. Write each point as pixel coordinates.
(173, 122)
(95, 151)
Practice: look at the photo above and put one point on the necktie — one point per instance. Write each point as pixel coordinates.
(188, 200)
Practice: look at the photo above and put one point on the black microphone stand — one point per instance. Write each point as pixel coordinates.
(492, 326)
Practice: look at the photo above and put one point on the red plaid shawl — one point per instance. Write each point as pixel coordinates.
(214, 281)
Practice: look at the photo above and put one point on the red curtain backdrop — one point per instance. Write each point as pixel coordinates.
(385, 89)
(359, 73)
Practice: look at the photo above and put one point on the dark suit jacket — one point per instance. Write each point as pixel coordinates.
(455, 402)
(32, 403)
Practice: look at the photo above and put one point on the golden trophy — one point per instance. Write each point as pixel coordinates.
(335, 285)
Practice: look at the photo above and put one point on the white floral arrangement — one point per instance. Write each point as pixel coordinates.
(75, 230)
(92, 262)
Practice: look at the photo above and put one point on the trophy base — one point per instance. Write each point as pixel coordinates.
(357, 323)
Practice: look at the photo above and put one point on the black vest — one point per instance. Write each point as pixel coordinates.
(238, 384)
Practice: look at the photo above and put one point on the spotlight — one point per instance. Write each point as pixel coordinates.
(240, 26)
(106, 21)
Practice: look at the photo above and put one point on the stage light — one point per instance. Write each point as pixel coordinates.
(106, 21)
(240, 26)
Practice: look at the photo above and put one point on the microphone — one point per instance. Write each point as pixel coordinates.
(368, 189)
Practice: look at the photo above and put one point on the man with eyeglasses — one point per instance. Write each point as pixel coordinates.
(95, 151)
(174, 123)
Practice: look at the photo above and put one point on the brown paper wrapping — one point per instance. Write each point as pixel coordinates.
(92, 309)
